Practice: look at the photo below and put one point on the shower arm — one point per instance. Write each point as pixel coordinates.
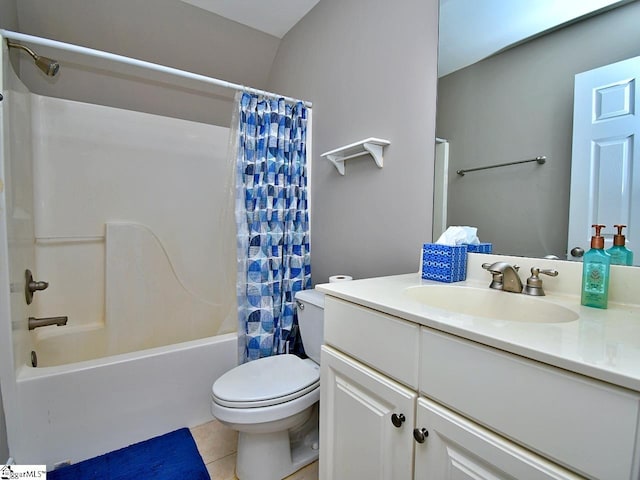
(49, 66)
(33, 54)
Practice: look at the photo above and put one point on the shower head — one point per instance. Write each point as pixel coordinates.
(47, 65)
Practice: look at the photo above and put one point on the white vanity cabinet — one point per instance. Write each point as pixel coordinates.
(359, 437)
(482, 412)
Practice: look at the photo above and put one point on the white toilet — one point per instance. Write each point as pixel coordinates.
(273, 402)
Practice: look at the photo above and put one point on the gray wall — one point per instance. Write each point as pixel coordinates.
(168, 32)
(519, 105)
(370, 69)
(8, 16)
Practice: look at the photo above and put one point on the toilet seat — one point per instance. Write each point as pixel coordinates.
(255, 419)
(266, 382)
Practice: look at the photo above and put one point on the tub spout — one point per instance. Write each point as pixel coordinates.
(43, 322)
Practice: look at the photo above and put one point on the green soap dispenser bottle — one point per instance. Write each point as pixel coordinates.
(620, 255)
(595, 273)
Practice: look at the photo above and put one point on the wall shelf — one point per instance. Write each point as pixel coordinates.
(371, 146)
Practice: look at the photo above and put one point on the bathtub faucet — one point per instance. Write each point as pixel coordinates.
(43, 322)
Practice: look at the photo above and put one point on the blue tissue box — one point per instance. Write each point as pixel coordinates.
(444, 263)
(480, 248)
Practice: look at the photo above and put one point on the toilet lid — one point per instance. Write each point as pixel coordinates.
(266, 381)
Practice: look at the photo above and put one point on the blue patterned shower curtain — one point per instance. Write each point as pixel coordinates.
(272, 221)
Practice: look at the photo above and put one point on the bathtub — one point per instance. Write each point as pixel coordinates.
(79, 410)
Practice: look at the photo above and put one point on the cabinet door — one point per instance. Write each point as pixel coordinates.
(458, 449)
(358, 438)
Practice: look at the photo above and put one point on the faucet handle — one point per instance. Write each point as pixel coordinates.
(496, 276)
(534, 283)
(547, 271)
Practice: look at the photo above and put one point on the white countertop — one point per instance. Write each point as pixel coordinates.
(602, 344)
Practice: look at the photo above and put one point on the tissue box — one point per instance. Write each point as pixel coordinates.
(444, 263)
(480, 248)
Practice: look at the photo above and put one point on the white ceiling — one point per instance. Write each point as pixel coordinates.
(275, 17)
(471, 30)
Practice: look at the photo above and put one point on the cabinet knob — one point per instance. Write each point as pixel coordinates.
(420, 434)
(397, 420)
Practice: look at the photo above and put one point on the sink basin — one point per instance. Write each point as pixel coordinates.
(492, 304)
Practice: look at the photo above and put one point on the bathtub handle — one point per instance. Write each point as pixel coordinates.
(31, 286)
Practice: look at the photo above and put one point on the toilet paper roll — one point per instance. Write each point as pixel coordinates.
(340, 278)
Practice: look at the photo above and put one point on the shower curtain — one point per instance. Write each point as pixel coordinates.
(272, 222)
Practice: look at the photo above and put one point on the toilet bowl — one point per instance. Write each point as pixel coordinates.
(272, 403)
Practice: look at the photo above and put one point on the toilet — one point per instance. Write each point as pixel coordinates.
(273, 402)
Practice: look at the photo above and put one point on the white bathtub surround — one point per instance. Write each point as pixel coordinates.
(95, 165)
(146, 304)
(142, 282)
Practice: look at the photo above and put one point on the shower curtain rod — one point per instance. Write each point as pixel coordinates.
(68, 47)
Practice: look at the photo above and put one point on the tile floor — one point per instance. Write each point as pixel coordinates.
(217, 445)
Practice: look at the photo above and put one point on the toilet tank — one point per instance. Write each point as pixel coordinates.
(310, 305)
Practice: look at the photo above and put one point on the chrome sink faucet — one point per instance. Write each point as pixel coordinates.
(505, 276)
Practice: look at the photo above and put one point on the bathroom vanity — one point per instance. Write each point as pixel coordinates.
(542, 388)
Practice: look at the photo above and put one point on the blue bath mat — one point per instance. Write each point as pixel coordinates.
(173, 456)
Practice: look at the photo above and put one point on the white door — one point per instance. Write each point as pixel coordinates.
(456, 449)
(605, 166)
(358, 437)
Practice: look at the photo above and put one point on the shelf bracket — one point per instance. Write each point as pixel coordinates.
(370, 146)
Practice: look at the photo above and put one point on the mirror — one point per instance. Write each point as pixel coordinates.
(515, 105)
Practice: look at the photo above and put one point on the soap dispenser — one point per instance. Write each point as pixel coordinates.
(595, 273)
(620, 255)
